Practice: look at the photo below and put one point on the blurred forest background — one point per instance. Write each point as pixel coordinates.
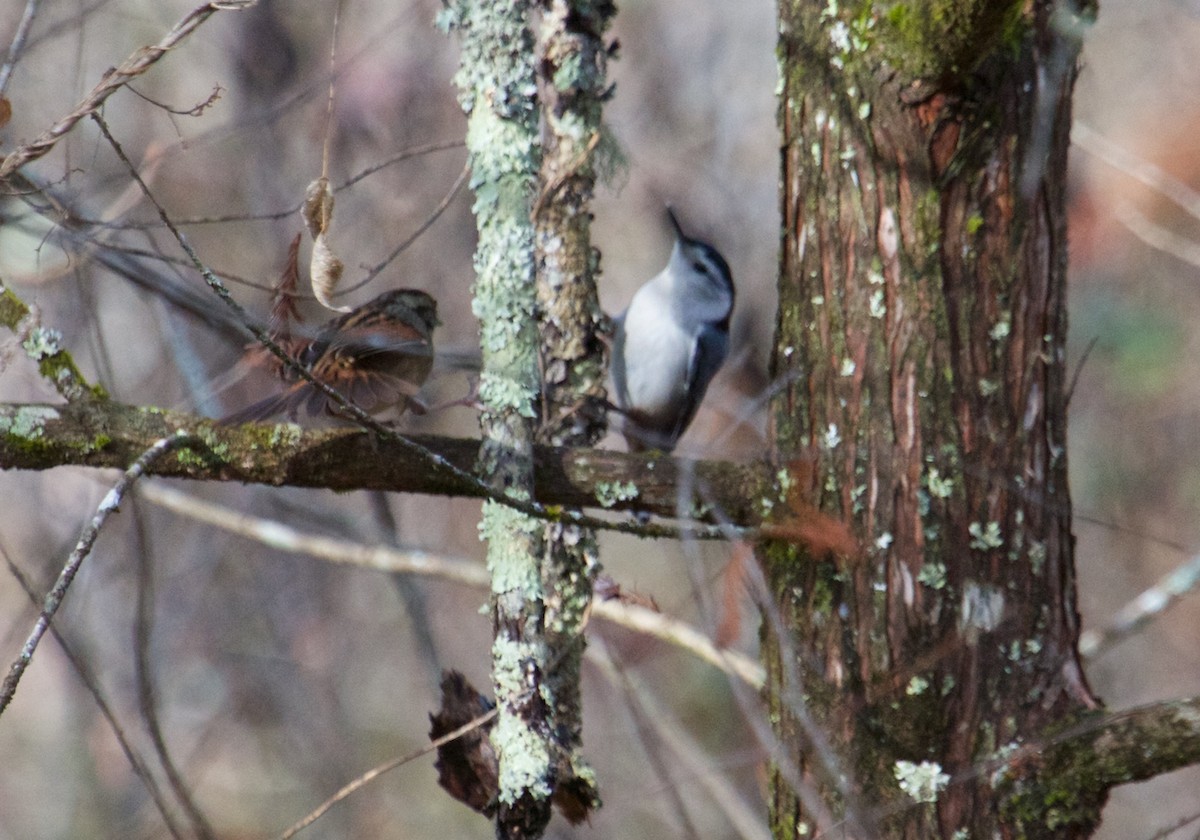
(277, 677)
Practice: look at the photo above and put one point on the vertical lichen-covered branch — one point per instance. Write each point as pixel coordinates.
(572, 58)
(498, 91)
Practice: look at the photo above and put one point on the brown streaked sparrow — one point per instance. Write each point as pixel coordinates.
(377, 355)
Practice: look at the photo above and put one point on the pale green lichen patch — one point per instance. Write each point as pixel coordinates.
(1001, 328)
(922, 782)
(940, 487)
(609, 493)
(524, 759)
(501, 393)
(508, 534)
(42, 342)
(213, 448)
(784, 482)
(28, 422)
(916, 686)
(783, 478)
(933, 574)
(285, 434)
(1037, 558)
(509, 659)
(985, 537)
(833, 437)
(876, 305)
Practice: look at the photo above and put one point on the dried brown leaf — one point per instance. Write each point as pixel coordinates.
(607, 589)
(318, 207)
(467, 767)
(283, 301)
(326, 269)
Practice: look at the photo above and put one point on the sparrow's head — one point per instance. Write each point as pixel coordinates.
(410, 306)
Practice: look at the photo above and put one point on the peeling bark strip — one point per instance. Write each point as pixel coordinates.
(923, 322)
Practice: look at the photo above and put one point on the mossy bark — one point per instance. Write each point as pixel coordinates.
(923, 323)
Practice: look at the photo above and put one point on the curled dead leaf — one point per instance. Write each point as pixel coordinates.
(326, 272)
(326, 269)
(467, 767)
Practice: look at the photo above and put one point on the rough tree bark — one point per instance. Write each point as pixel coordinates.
(923, 324)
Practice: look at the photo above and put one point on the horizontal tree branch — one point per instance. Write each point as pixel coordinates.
(1057, 786)
(104, 433)
(415, 562)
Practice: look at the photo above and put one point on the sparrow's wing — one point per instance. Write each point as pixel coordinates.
(371, 391)
(369, 339)
(374, 390)
(376, 360)
(287, 402)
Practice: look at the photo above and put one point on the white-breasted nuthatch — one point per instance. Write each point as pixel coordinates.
(670, 342)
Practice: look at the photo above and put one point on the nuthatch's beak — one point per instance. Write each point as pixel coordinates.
(675, 224)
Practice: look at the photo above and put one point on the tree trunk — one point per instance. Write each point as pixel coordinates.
(922, 327)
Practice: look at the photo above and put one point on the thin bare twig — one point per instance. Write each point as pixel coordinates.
(1079, 367)
(83, 548)
(275, 215)
(402, 155)
(144, 677)
(650, 714)
(140, 769)
(1146, 173)
(17, 45)
(328, 129)
(1181, 823)
(138, 63)
(411, 238)
(280, 536)
(1183, 248)
(372, 775)
(1181, 580)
